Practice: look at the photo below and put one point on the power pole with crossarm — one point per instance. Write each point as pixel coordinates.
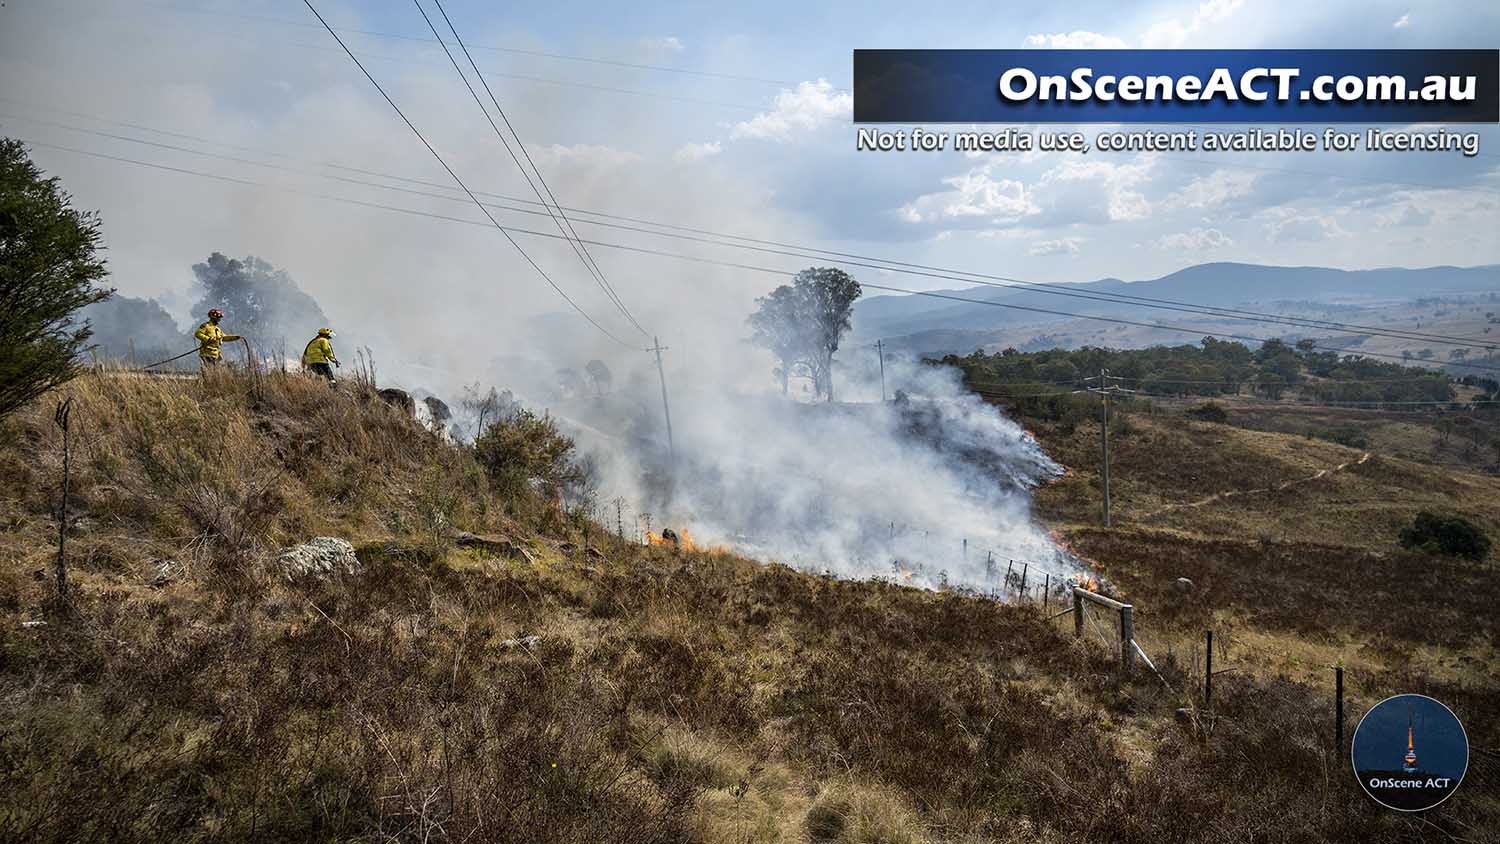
(665, 409)
(1105, 389)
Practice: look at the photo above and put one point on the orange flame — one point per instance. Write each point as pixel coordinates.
(684, 541)
(1088, 582)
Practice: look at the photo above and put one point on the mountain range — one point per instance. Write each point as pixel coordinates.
(963, 318)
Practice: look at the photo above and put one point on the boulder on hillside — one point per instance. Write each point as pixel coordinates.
(497, 545)
(321, 558)
(399, 399)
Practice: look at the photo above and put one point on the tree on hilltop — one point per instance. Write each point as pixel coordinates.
(49, 267)
(804, 322)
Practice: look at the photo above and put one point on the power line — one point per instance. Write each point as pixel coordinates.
(853, 259)
(736, 265)
(578, 249)
(490, 47)
(1193, 161)
(460, 182)
(785, 83)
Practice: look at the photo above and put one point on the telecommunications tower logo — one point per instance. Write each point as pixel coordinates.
(1410, 753)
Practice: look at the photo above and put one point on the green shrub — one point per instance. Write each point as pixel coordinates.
(1209, 411)
(524, 451)
(1349, 435)
(1450, 535)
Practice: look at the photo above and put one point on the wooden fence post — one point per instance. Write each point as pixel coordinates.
(1046, 591)
(64, 418)
(1208, 675)
(1024, 568)
(1338, 709)
(1077, 613)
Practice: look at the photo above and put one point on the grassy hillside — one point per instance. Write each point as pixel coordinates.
(1292, 544)
(192, 692)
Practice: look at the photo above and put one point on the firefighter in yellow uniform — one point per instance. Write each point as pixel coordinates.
(211, 338)
(319, 357)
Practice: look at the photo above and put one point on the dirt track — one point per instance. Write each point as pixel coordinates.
(1234, 493)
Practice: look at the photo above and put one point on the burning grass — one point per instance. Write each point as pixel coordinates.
(560, 685)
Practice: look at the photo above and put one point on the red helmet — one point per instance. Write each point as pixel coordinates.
(215, 313)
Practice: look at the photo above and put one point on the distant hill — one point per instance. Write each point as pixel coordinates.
(1218, 284)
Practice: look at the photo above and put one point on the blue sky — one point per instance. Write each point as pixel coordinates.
(736, 155)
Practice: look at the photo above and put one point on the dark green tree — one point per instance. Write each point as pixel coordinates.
(599, 373)
(49, 269)
(258, 300)
(1432, 533)
(828, 295)
(778, 325)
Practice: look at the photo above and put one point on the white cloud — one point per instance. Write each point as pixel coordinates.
(1173, 32)
(1304, 228)
(1061, 246)
(1212, 190)
(1080, 185)
(1407, 214)
(694, 152)
(811, 105)
(1402, 22)
(1196, 240)
(663, 44)
(976, 195)
(1079, 39)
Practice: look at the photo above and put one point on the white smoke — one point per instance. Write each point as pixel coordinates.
(930, 488)
(441, 304)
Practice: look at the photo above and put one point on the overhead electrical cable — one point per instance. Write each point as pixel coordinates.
(482, 208)
(852, 259)
(1164, 157)
(490, 47)
(581, 251)
(1199, 332)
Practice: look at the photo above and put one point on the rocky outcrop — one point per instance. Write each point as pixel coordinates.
(322, 558)
(497, 545)
(400, 399)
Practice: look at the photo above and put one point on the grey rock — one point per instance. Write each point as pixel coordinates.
(165, 572)
(321, 558)
(399, 399)
(497, 545)
(1182, 586)
(527, 642)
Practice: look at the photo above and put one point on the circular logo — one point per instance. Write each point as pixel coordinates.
(1410, 753)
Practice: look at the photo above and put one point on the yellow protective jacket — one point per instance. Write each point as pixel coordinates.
(210, 338)
(318, 351)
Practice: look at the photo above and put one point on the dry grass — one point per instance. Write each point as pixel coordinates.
(671, 696)
(1295, 579)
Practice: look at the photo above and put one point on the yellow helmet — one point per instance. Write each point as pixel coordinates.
(325, 332)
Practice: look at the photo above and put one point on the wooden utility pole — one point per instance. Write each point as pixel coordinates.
(1105, 389)
(880, 351)
(665, 408)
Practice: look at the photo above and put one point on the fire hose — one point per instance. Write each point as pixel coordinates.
(249, 357)
(169, 360)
